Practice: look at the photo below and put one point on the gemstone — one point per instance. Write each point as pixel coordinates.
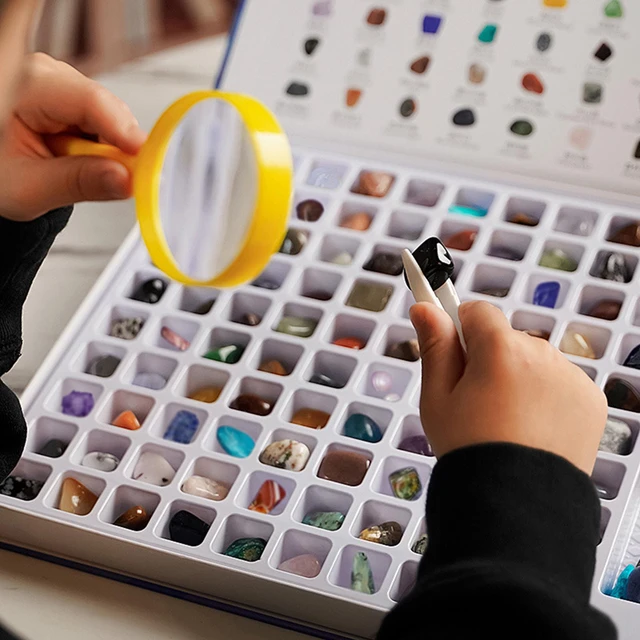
(306, 565)
(488, 33)
(616, 437)
(408, 108)
(477, 73)
(420, 545)
(135, 519)
(350, 342)
(558, 259)
(153, 468)
(248, 549)
(523, 219)
(613, 9)
(464, 118)
(370, 296)
(309, 210)
(229, 354)
(604, 492)
(522, 128)
(431, 24)
(21, 488)
(343, 258)
(322, 8)
(612, 266)
(620, 588)
(53, 448)
(405, 483)
(345, 467)
(206, 394)
(76, 498)
(538, 333)
(420, 65)
(381, 381)
(408, 350)
(103, 366)
(235, 442)
(361, 574)
(100, 461)
(622, 395)
(362, 427)
(580, 138)
(265, 283)
(126, 328)
(630, 234)
(250, 319)
(387, 533)
(182, 427)
(592, 93)
(188, 529)
(150, 291)
(416, 444)
(127, 420)
(633, 359)
(373, 183)
(496, 292)
(298, 89)
(376, 17)
(205, 488)
(204, 308)
(359, 221)
(461, 241)
(546, 294)
(318, 294)
(632, 593)
(388, 263)
(310, 45)
(327, 520)
(294, 242)
(286, 454)
(269, 496)
(353, 97)
(576, 344)
(78, 404)
(296, 326)
(273, 366)
(152, 381)
(532, 83)
(603, 52)
(544, 42)
(252, 404)
(312, 418)
(174, 339)
(606, 310)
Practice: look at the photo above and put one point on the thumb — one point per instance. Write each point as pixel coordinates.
(440, 350)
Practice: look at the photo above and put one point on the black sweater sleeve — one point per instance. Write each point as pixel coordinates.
(512, 539)
(23, 247)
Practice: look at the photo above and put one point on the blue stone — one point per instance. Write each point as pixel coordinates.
(431, 24)
(633, 359)
(476, 212)
(546, 294)
(362, 427)
(620, 588)
(632, 592)
(235, 442)
(182, 428)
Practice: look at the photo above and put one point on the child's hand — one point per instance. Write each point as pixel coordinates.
(56, 98)
(514, 388)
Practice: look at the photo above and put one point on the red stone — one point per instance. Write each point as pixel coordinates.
(269, 495)
(461, 241)
(531, 82)
(350, 342)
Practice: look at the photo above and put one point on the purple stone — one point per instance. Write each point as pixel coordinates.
(632, 593)
(416, 444)
(546, 294)
(322, 8)
(78, 404)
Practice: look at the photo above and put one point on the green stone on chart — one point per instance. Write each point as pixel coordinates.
(294, 326)
(249, 549)
(361, 574)
(405, 483)
(558, 259)
(327, 520)
(613, 9)
(229, 354)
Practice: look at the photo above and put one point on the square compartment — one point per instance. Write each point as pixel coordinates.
(125, 401)
(62, 389)
(382, 485)
(168, 413)
(184, 328)
(102, 442)
(334, 246)
(608, 476)
(450, 228)
(151, 363)
(268, 391)
(405, 581)
(348, 326)
(574, 251)
(96, 350)
(243, 304)
(338, 367)
(122, 312)
(634, 425)
(537, 279)
(576, 221)
(223, 338)
(597, 336)
(410, 428)
(382, 417)
(349, 209)
(174, 457)
(373, 513)
(617, 224)
(32, 471)
(357, 188)
(591, 296)
(627, 345)
(221, 472)
(490, 280)
(529, 321)
(252, 485)
(252, 429)
(320, 499)
(198, 300)
(142, 277)
(237, 526)
(46, 429)
(531, 208)
(93, 484)
(394, 335)
(477, 200)
(631, 262)
(205, 514)
(340, 574)
(305, 399)
(198, 377)
(422, 193)
(319, 284)
(293, 310)
(508, 246)
(406, 226)
(273, 277)
(383, 249)
(296, 543)
(400, 381)
(374, 303)
(123, 498)
(286, 353)
(326, 175)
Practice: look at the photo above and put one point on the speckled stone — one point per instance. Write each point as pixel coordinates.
(387, 533)
(405, 483)
(152, 381)
(153, 468)
(78, 404)
(76, 498)
(362, 575)
(248, 549)
(345, 467)
(126, 328)
(606, 310)
(305, 565)
(286, 454)
(362, 427)
(389, 264)
(235, 442)
(312, 418)
(127, 420)
(622, 395)
(544, 42)
(101, 461)
(182, 428)
(416, 444)
(309, 210)
(205, 488)
(103, 366)
(296, 326)
(150, 291)
(327, 520)
(408, 350)
(617, 437)
(612, 266)
(374, 183)
(21, 488)
(136, 519)
(369, 296)
(53, 448)
(592, 93)
(252, 404)
(188, 529)
(420, 545)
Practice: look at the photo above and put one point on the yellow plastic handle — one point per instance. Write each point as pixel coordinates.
(64, 145)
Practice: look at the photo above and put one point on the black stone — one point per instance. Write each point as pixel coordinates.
(592, 93)
(103, 366)
(434, 261)
(188, 529)
(612, 266)
(321, 378)
(298, 89)
(407, 108)
(309, 210)
(622, 395)
(633, 359)
(265, 283)
(311, 45)
(522, 128)
(636, 154)
(464, 118)
(150, 291)
(603, 52)
(387, 263)
(53, 448)
(21, 488)
(544, 41)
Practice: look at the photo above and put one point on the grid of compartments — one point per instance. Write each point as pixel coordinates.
(317, 282)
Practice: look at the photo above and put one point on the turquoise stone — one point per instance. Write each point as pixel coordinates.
(327, 520)
(488, 33)
(620, 588)
(294, 326)
(249, 549)
(405, 483)
(235, 442)
(362, 427)
(558, 259)
(361, 574)
(229, 354)
(476, 212)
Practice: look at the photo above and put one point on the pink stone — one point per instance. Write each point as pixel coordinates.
(174, 339)
(307, 566)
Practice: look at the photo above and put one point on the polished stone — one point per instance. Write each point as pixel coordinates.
(620, 588)
(606, 310)
(306, 565)
(544, 42)
(558, 259)
(523, 219)
(408, 350)
(78, 404)
(408, 107)
(182, 427)
(150, 291)
(617, 437)
(327, 520)
(613, 9)
(531, 82)
(269, 496)
(370, 296)
(362, 427)
(416, 444)
(603, 52)
(273, 366)
(376, 17)
(136, 519)
(310, 45)
(387, 533)
(431, 24)
(350, 342)
(294, 242)
(353, 96)
(359, 221)
(384, 262)
(250, 319)
(205, 488)
(633, 359)
(629, 235)
(612, 266)
(309, 210)
(100, 461)
(464, 118)
(21, 488)
(206, 394)
(462, 240)
(477, 73)
(420, 545)
(577, 344)
(298, 89)
(286, 454)
(251, 403)
(345, 467)
(229, 354)
(153, 468)
(312, 418)
(175, 339)
(488, 33)
(381, 381)
(103, 366)
(362, 575)
(127, 420)
(53, 448)
(592, 93)
(420, 65)
(297, 326)
(188, 529)
(622, 395)
(126, 328)
(522, 128)
(235, 442)
(374, 183)
(152, 381)
(405, 483)
(326, 381)
(248, 549)
(76, 498)
(546, 294)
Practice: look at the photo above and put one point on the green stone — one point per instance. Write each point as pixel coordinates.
(420, 545)
(230, 354)
(327, 520)
(405, 483)
(522, 128)
(294, 326)
(488, 33)
(361, 574)
(613, 9)
(249, 549)
(370, 296)
(558, 259)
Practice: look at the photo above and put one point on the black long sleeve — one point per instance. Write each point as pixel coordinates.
(512, 539)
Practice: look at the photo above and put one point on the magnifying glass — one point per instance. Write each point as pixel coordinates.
(212, 185)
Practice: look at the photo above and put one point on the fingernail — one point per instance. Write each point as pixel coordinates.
(116, 185)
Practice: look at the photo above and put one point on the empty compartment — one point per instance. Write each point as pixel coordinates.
(508, 246)
(458, 236)
(410, 437)
(236, 527)
(406, 225)
(83, 407)
(356, 216)
(93, 353)
(346, 327)
(272, 351)
(369, 295)
(273, 277)
(340, 250)
(373, 513)
(125, 498)
(206, 514)
(219, 346)
(405, 581)
(490, 280)
(26, 470)
(379, 562)
(630, 342)
(385, 259)
(198, 300)
(252, 429)
(474, 202)
(423, 193)
(165, 419)
(539, 291)
(247, 309)
(576, 221)
(141, 278)
(623, 230)
(122, 312)
(174, 457)
(221, 472)
(397, 335)
(299, 543)
(305, 399)
(382, 483)
(561, 256)
(319, 284)
(298, 320)
(614, 266)
(327, 175)
(98, 441)
(122, 401)
(330, 370)
(601, 302)
(594, 342)
(524, 211)
(607, 477)
(249, 490)
(382, 417)
(47, 429)
(534, 324)
(267, 392)
(201, 383)
(385, 382)
(150, 363)
(185, 331)
(317, 499)
(91, 483)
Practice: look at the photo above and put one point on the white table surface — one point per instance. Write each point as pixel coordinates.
(42, 601)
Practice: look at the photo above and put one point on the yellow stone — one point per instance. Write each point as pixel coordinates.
(206, 394)
(576, 344)
(555, 4)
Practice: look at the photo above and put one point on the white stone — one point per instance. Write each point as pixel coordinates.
(286, 454)
(100, 461)
(154, 469)
(205, 488)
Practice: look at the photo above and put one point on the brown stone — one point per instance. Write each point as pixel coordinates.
(420, 65)
(309, 210)
(360, 221)
(252, 404)
(374, 183)
(524, 219)
(350, 342)
(538, 333)
(273, 366)
(76, 498)
(376, 17)
(206, 394)
(250, 319)
(461, 241)
(135, 519)
(606, 310)
(532, 83)
(353, 97)
(622, 395)
(629, 235)
(345, 467)
(312, 418)
(408, 350)
(477, 74)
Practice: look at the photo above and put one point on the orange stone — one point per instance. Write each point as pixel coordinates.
(206, 394)
(353, 97)
(312, 418)
(531, 82)
(273, 366)
(360, 221)
(350, 342)
(461, 241)
(127, 420)
(76, 498)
